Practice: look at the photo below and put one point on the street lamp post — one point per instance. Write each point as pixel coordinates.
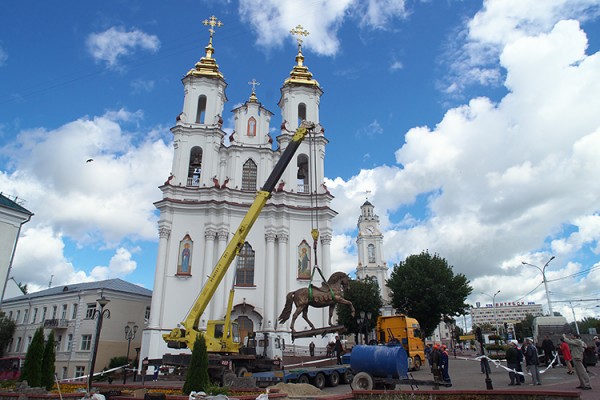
(543, 271)
(494, 307)
(129, 336)
(100, 314)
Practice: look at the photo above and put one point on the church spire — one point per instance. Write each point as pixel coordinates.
(207, 66)
(254, 84)
(300, 74)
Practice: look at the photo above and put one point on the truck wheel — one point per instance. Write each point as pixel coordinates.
(362, 381)
(304, 379)
(239, 372)
(347, 377)
(333, 379)
(418, 363)
(319, 380)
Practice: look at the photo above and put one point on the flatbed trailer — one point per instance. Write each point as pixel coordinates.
(316, 376)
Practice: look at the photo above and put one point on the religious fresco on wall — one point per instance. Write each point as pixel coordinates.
(184, 263)
(304, 268)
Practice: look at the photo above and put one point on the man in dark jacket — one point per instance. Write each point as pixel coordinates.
(339, 350)
(532, 362)
(436, 359)
(548, 347)
(513, 363)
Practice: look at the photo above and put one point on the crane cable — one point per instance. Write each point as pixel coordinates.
(314, 213)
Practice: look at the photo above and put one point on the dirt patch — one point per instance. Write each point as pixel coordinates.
(298, 389)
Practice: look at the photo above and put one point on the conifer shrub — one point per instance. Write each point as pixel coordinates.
(196, 377)
(48, 368)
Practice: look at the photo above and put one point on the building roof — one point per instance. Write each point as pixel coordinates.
(8, 203)
(117, 285)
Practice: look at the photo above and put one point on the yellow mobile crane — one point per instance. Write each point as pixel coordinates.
(221, 336)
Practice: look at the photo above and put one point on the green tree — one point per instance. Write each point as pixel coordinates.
(365, 296)
(7, 330)
(32, 368)
(48, 368)
(587, 323)
(196, 377)
(23, 288)
(424, 287)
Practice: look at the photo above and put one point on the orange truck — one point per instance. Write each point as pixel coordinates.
(403, 330)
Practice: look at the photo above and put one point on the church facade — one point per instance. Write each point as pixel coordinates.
(213, 182)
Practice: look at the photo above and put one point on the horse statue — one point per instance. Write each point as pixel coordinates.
(328, 295)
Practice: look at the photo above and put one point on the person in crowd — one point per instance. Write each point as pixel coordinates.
(428, 349)
(329, 349)
(548, 347)
(513, 363)
(577, 347)
(436, 359)
(444, 366)
(532, 362)
(484, 362)
(566, 353)
(597, 343)
(520, 373)
(339, 350)
(311, 349)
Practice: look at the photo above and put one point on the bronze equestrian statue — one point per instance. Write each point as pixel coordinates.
(328, 295)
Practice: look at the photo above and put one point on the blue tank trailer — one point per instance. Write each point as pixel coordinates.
(365, 368)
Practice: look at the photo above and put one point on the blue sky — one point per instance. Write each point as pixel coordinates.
(474, 125)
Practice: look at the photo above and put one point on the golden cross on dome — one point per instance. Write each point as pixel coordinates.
(212, 22)
(299, 31)
(254, 83)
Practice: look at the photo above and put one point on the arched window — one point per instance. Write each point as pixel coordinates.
(245, 266)
(201, 113)
(251, 127)
(302, 174)
(301, 113)
(371, 252)
(249, 172)
(195, 166)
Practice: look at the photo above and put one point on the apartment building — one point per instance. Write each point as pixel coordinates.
(70, 311)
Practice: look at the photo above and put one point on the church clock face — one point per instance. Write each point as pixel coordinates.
(370, 229)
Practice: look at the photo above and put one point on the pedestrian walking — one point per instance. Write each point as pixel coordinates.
(311, 349)
(513, 363)
(532, 362)
(577, 347)
(483, 361)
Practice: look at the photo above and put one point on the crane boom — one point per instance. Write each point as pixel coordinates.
(185, 335)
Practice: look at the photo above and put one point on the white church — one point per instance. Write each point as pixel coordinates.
(211, 186)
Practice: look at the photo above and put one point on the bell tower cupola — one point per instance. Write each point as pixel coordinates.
(197, 134)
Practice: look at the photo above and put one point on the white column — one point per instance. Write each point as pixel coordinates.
(268, 275)
(326, 267)
(159, 277)
(208, 265)
(220, 298)
(283, 271)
